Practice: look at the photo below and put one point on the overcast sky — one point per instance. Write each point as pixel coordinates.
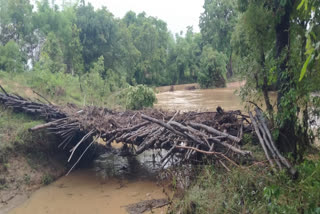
(178, 14)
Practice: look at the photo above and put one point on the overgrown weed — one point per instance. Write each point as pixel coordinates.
(253, 190)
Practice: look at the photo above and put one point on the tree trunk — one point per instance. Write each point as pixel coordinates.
(287, 140)
(229, 68)
(265, 85)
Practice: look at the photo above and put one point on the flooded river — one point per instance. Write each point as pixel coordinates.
(86, 191)
(199, 100)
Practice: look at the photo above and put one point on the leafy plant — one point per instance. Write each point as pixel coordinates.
(140, 96)
(213, 69)
(47, 179)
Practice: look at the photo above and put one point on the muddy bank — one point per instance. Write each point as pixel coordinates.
(28, 161)
(84, 192)
(21, 175)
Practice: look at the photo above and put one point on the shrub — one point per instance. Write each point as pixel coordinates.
(299, 196)
(139, 96)
(253, 190)
(47, 179)
(213, 69)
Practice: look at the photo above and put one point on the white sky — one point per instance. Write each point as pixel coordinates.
(178, 14)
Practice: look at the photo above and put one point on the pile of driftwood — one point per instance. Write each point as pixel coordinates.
(265, 138)
(189, 135)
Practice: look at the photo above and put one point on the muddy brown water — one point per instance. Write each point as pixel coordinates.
(83, 191)
(199, 100)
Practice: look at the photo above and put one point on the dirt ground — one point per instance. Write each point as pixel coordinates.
(21, 176)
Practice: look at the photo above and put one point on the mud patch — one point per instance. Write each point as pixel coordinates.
(21, 176)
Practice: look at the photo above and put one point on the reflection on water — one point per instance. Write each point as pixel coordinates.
(146, 165)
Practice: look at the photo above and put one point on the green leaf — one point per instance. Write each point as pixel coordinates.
(313, 35)
(301, 4)
(305, 5)
(304, 68)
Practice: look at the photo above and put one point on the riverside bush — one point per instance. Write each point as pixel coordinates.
(54, 84)
(253, 190)
(140, 96)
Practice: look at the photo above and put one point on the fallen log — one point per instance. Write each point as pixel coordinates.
(214, 131)
(46, 125)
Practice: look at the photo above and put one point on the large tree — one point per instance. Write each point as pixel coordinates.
(217, 24)
(97, 35)
(277, 44)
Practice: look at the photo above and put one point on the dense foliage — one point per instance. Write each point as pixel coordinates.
(273, 39)
(273, 45)
(77, 53)
(139, 97)
(137, 48)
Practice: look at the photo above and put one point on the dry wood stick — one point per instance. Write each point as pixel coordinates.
(235, 149)
(261, 139)
(282, 159)
(65, 140)
(126, 129)
(46, 125)
(82, 155)
(268, 145)
(4, 91)
(69, 141)
(185, 128)
(167, 126)
(147, 144)
(41, 96)
(208, 153)
(242, 152)
(76, 146)
(220, 161)
(214, 131)
(169, 152)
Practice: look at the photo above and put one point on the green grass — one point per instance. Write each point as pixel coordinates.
(253, 190)
(61, 88)
(14, 128)
(16, 137)
(217, 191)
